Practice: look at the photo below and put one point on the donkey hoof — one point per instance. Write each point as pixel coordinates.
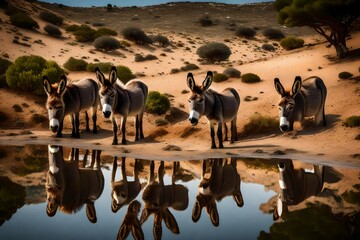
(123, 142)
(221, 146)
(114, 143)
(213, 146)
(95, 131)
(87, 130)
(232, 142)
(137, 139)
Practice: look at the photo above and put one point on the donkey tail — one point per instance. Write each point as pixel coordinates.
(323, 90)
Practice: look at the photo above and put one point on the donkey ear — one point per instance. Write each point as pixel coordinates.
(208, 80)
(196, 212)
(144, 215)
(296, 86)
(91, 212)
(51, 209)
(62, 85)
(190, 81)
(137, 232)
(214, 215)
(113, 75)
(47, 85)
(123, 231)
(170, 222)
(279, 87)
(100, 76)
(157, 230)
(239, 199)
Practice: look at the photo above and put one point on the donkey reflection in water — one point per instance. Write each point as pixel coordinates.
(158, 198)
(119, 100)
(131, 223)
(69, 99)
(223, 181)
(69, 187)
(306, 99)
(124, 191)
(296, 185)
(218, 108)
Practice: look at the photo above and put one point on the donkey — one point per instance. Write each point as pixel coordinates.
(306, 99)
(131, 223)
(296, 186)
(224, 181)
(159, 197)
(69, 187)
(69, 99)
(218, 108)
(124, 191)
(122, 100)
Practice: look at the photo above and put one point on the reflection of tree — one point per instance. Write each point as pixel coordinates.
(12, 197)
(309, 223)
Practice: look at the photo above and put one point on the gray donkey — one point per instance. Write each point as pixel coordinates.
(223, 181)
(69, 187)
(306, 99)
(218, 108)
(296, 185)
(69, 99)
(120, 100)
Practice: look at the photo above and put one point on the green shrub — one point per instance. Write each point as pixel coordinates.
(160, 122)
(22, 20)
(104, 67)
(27, 71)
(345, 75)
(72, 28)
(51, 18)
(73, 64)
(136, 35)
(157, 103)
(162, 40)
(124, 73)
(11, 10)
(85, 34)
(261, 124)
(106, 43)
(214, 52)
(272, 33)
(245, 32)
(52, 30)
(105, 32)
(250, 78)
(232, 72)
(189, 67)
(291, 42)
(4, 65)
(17, 108)
(268, 47)
(141, 58)
(353, 121)
(205, 21)
(219, 77)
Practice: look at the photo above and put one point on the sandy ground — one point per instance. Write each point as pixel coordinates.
(333, 144)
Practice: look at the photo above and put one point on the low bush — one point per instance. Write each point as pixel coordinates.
(51, 18)
(136, 35)
(261, 124)
(85, 34)
(27, 71)
(162, 40)
(52, 30)
(219, 77)
(160, 122)
(141, 58)
(157, 103)
(345, 75)
(189, 67)
(232, 72)
(104, 67)
(268, 47)
(105, 32)
(291, 42)
(106, 43)
(214, 52)
(272, 33)
(4, 65)
(174, 70)
(245, 32)
(17, 108)
(353, 121)
(205, 21)
(250, 78)
(22, 20)
(124, 73)
(72, 28)
(73, 64)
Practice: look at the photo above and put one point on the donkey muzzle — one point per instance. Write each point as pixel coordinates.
(54, 125)
(284, 124)
(106, 110)
(194, 117)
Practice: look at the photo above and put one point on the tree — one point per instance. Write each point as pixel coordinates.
(332, 19)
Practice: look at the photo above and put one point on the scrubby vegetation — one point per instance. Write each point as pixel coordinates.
(268, 47)
(84, 34)
(353, 121)
(27, 71)
(4, 65)
(51, 18)
(214, 52)
(261, 124)
(73, 64)
(162, 40)
(141, 58)
(292, 42)
(220, 77)
(250, 78)
(272, 33)
(22, 20)
(136, 35)
(104, 67)
(105, 32)
(205, 21)
(124, 73)
(157, 103)
(52, 30)
(345, 75)
(232, 72)
(245, 32)
(189, 67)
(106, 43)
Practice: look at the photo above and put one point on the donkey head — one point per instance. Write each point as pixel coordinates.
(207, 201)
(55, 103)
(107, 90)
(287, 102)
(197, 97)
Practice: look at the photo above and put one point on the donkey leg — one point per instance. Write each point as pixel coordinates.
(212, 134)
(220, 135)
(94, 118)
(137, 127)
(226, 132)
(123, 130)
(73, 131)
(59, 132)
(141, 125)
(233, 131)
(87, 128)
(77, 125)
(115, 130)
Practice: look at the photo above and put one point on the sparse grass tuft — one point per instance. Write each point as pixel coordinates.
(261, 124)
(141, 58)
(353, 121)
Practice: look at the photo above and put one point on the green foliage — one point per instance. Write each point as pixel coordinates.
(214, 52)
(232, 72)
(27, 71)
(268, 47)
(245, 32)
(141, 58)
(105, 32)
(73, 64)
(353, 121)
(52, 30)
(22, 20)
(136, 35)
(4, 65)
(35, 162)
(219, 77)
(291, 42)
(259, 124)
(124, 73)
(104, 67)
(106, 43)
(162, 40)
(250, 78)
(189, 67)
(352, 197)
(72, 28)
(157, 103)
(272, 33)
(51, 18)
(345, 75)
(85, 34)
